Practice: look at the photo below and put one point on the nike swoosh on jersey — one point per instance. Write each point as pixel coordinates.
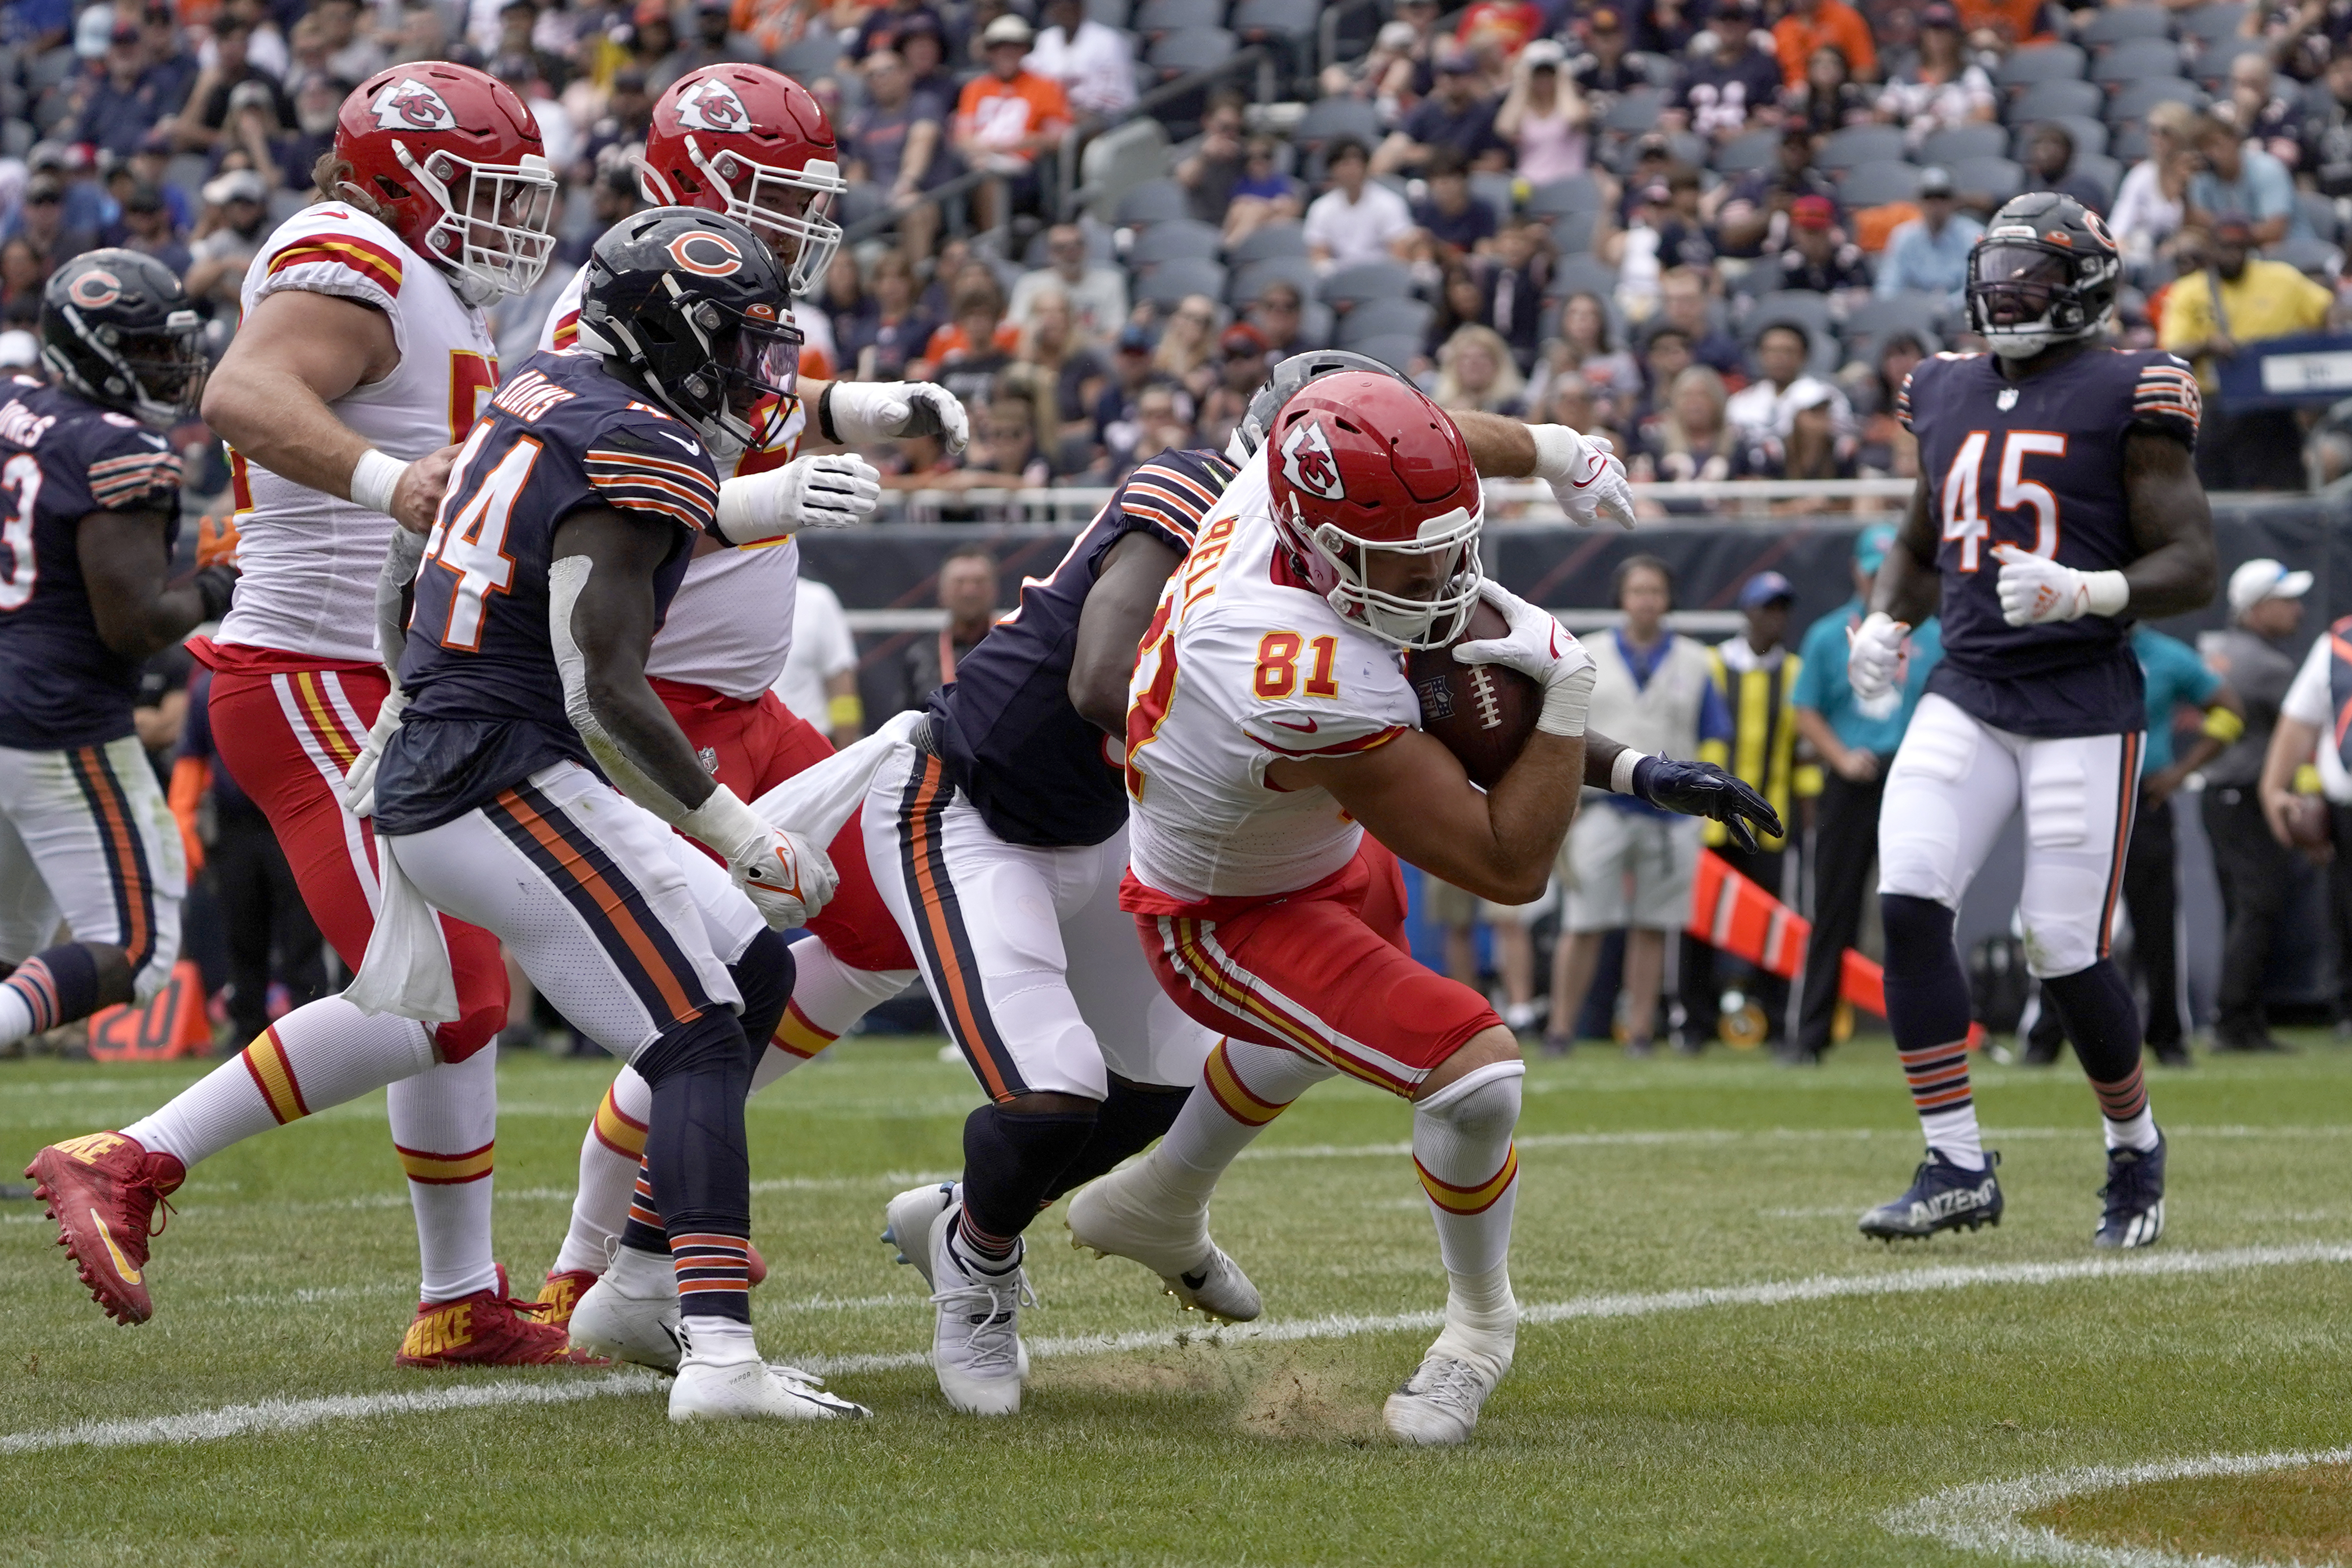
(1306, 728)
(682, 441)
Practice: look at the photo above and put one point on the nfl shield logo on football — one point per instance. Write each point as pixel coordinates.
(708, 757)
(2006, 400)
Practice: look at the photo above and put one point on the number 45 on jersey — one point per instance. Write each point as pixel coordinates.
(1964, 520)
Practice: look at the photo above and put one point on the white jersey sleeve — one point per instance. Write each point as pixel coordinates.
(336, 249)
(561, 328)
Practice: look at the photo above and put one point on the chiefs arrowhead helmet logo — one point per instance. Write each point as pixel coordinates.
(1308, 463)
(409, 104)
(712, 105)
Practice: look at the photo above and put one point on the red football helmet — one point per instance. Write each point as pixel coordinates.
(454, 158)
(1358, 463)
(750, 142)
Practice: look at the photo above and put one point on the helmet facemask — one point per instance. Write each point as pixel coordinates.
(716, 383)
(496, 231)
(792, 209)
(1339, 565)
(2023, 296)
(157, 378)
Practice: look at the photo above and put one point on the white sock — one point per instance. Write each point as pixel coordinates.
(1482, 1319)
(16, 1015)
(1462, 1151)
(718, 1341)
(444, 1122)
(642, 1276)
(1242, 1087)
(1953, 1134)
(320, 1054)
(2132, 1133)
(609, 1154)
(828, 998)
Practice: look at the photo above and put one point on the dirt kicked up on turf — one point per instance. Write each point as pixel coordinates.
(2301, 1515)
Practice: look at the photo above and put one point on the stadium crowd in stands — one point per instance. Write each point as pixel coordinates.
(1716, 230)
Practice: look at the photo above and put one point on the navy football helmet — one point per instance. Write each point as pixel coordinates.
(117, 329)
(2043, 272)
(1280, 386)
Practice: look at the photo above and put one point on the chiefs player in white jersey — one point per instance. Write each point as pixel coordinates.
(751, 142)
(362, 356)
(1270, 727)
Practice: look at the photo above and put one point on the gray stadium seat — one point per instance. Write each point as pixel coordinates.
(1498, 190)
(2115, 23)
(1789, 307)
(2128, 145)
(2136, 60)
(2212, 67)
(1877, 183)
(1365, 280)
(1255, 20)
(2320, 213)
(1157, 16)
(1635, 112)
(1576, 194)
(1193, 49)
(1997, 179)
(2101, 171)
(814, 55)
(1329, 119)
(1175, 239)
(2221, 19)
(2314, 257)
(1396, 352)
(2043, 62)
(1573, 232)
(1154, 202)
(1583, 275)
(1172, 281)
(1954, 143)
(2090, 135)
(1269, 240)
(1910, 310)
(1249, 280)
(1109, 12)
(2134, 101)
(1860, 145)
(2057, 100)
(1742, 153)
(1384, 318)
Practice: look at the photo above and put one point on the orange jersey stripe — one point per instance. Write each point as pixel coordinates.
(673, 995)
(952, 979)
(123, 844)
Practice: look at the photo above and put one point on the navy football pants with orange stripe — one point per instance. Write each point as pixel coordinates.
(287, 738)
(86, 838)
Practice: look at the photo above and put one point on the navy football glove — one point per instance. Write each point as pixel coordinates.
(1704, 790)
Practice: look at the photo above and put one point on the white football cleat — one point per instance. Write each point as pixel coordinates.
(642, 1330)
(907, 1224)
(752, 1390)
(976, 1346)
(1439, 1403)
(1127, 1215)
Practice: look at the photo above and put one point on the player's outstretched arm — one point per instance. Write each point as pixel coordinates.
(1585, 475)
(296, 351)
(2172, 525)
(601, 621)
(1117, 611)
(124, 565)
(1674, 784)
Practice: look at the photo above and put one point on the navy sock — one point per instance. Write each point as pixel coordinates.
(697, 1156)
(1132, 1116)
(56, 986)
(1010, 1160)
(2102, 1021)
(643, 1230)
(765, 974)
(1927, 989)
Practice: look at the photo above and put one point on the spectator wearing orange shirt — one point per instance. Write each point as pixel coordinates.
(1509, 26)
(1822, 24)
(2004, 24)
(1006, 118)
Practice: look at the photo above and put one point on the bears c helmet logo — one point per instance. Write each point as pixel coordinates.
(1308, 463)
(94, 290)
(706, 254)
(711, 105)
(408, 104)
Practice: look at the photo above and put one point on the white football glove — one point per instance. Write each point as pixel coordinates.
(828, 492)
(883, 411)
(788, 879)
(1584, 473)
(1542, 649)
(1876, 654)
(358, 788)
(2035, 589)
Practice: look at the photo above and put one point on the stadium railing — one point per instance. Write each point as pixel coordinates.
(1742, 502)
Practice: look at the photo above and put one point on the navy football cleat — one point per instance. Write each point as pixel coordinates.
(2134, 1216)
(1943, 1196)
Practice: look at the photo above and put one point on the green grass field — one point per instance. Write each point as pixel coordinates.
(1718, 1369)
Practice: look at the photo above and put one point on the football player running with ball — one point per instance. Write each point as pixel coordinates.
(1270, 728)
(2056, 504)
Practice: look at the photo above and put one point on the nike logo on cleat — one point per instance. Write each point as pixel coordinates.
(1194, 1282)
(122, 1264)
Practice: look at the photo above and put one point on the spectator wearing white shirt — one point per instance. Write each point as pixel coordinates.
(1356, 220)
(2155, 195)
(1765, 409)
(820, 679)
(1096, 295)
(1095, 64)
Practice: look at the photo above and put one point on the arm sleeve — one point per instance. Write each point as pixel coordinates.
(2165, 398)
(642, 462)
(1903, 395)
(2309, 699)
(136, 471)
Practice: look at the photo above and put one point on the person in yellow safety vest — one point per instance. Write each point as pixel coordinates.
(1755, 672)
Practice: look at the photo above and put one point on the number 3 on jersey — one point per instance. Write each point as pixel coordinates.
(469, 537)
(1964, 520)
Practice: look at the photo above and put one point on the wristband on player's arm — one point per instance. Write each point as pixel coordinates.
(374, 478)
(844, 711)
(1629, 774)
(2222, 724)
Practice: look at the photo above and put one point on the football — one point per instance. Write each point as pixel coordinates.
(1482, 713)
(2307, 822)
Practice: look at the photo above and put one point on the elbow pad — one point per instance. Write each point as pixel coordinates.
(565, 578)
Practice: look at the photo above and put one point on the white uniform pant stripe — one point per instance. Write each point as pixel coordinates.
(355, 833)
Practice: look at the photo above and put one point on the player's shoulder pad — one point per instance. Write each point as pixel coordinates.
(2163, 392)
(127, 465)
(641, 459)
(1172, 493)
(334, 248)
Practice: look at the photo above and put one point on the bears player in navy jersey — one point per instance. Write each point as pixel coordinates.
(571, 512)
(2057, 502)
(998, 839)
(89, 508)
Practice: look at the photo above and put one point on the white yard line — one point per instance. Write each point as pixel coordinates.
(1983, 1515)
(286, 1416)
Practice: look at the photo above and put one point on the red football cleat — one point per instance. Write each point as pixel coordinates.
(561, 1294)
(103, 1189)
(488, 1328)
